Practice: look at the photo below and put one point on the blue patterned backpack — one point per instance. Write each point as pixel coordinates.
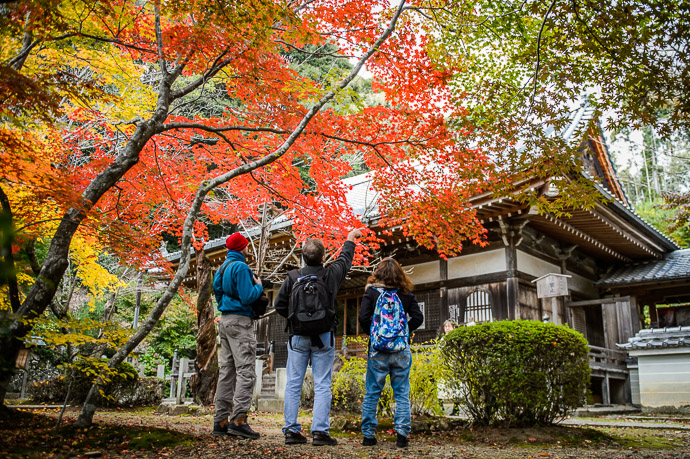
(389, 331)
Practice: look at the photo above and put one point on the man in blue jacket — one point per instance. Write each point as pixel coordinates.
(235, 288)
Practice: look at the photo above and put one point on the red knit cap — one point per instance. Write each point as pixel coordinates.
(236, 242)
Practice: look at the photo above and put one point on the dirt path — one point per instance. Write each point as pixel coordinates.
(197, 442)
(563, 442)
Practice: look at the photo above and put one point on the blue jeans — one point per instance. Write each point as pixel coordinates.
(299, 354)
(380, 364)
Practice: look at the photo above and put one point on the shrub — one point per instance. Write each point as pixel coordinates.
(517, 372)
(348, 386)
(427, 370)
(150, 360)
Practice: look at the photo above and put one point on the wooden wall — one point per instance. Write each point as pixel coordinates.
(457, 300)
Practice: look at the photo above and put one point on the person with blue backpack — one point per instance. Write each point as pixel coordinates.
(390, 313)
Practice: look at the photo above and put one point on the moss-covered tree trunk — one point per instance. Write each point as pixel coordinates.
(204, 383)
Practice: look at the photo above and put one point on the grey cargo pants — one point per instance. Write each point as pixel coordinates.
(236, 358)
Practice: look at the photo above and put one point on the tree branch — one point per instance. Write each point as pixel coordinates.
(203, 127)
(536, 67)
(159, 38)
(218, 64)
(30, 249)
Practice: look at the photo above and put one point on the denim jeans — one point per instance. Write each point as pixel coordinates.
(299, 353)
(380, 364)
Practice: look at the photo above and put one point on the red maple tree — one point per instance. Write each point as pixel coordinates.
(185, 109)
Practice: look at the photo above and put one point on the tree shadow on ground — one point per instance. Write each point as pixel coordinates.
(29, 434)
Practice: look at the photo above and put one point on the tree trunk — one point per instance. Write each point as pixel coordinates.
(9, 345)
(10, 349)
(203, 383)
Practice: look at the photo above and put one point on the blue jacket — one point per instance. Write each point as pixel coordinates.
(236, 291)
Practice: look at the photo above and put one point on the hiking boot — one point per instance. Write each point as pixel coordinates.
(323, 439)
(369, 441)
(294, 438)
(240, 428)
(402, 441)
(219, 429)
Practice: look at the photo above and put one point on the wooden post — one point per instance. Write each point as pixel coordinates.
(443, 292)
(605, 394)
(22, 393)
(512, 288)
(653, 316)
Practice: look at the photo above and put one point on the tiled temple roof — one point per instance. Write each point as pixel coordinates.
(658, 338)
(675, 265)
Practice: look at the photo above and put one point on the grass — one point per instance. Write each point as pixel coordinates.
(538, 437)
(642, 438)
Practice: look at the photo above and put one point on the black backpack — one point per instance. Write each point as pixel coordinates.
(310, 310)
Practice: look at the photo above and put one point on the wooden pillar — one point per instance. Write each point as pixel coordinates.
(605, 390)
(636, 319)
(653, 316)
(512, 281)
(25, 379)
(443, 292)
(512, 238)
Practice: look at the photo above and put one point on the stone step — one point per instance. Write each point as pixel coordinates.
(271, 405)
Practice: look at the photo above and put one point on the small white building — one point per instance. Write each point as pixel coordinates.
(660, 368)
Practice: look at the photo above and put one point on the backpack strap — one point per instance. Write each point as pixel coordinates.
(222, 273)
(294, 275)
(297, 273)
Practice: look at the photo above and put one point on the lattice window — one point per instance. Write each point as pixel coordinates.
(478, 307)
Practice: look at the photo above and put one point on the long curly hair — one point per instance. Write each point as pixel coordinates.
(390, 273)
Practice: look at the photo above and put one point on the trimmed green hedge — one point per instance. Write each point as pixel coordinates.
(517, 372)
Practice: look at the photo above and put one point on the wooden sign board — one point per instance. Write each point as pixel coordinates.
(552, 285)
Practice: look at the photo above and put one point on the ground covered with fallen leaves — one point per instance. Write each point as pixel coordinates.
(144, 433)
